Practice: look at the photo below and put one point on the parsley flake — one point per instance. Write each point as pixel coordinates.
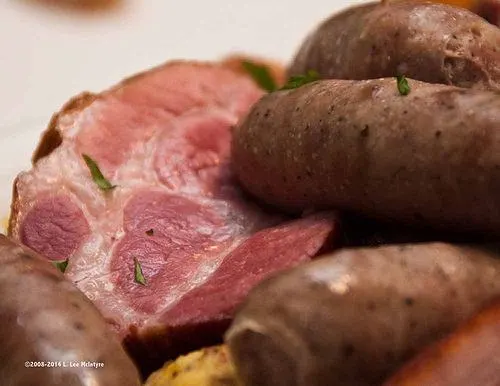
(301, 80)
(61, 265)
(96, 174)
(403, 86)
(138, 275)
(261, 75)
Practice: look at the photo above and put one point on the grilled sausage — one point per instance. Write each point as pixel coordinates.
(430, 158)
(355, 316)
(431, 42)
(50, 333)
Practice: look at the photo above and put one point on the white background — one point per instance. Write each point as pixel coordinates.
(47, 55)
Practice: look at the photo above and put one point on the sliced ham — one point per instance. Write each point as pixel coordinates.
(163, 138)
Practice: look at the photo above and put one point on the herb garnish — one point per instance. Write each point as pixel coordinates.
(96, 174)
(300, 80)
(403, 86)
(61, 265)
(150, 232)
(138, 275)
(261, 75)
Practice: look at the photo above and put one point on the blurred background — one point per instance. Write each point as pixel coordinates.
(53, 49)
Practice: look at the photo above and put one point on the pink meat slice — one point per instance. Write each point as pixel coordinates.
(252, 261)
(164, 139)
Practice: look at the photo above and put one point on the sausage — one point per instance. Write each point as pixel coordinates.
(430, 159)
(468, 356)
(353, 317)
(50, 333)
(431, 42)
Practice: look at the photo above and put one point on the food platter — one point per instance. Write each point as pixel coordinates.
(325, 212)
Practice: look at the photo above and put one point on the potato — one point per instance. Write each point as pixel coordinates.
(426, 41)
(207, 367)
(430, 159)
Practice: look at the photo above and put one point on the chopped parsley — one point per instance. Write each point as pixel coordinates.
(261, 75)
(138, 275)
(300, 80)
(61, 265)
(96, 174)
(403, 86)
(150, 232)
